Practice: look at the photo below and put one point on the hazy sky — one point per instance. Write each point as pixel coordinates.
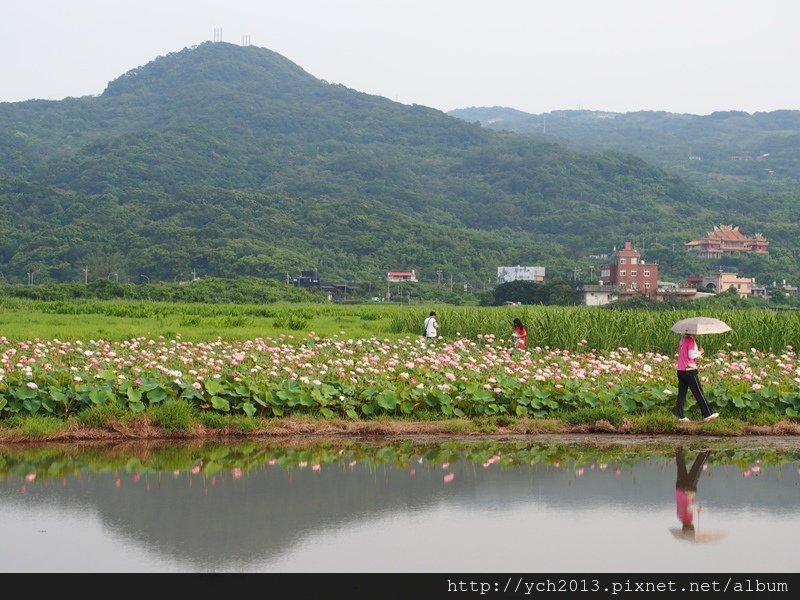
(687, 56)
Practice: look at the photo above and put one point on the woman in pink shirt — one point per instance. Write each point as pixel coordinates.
(688, 353)
(686, 487)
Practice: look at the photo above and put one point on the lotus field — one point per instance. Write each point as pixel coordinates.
(374, 377)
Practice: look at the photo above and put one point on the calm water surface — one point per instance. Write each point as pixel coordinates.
(530, 505)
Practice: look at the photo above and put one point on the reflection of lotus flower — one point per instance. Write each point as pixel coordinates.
(30, 476)
(117, 483)
(412, 472)
(237, 473)
(449, 477)
(195, 469)
(315, 468)
(445, 465)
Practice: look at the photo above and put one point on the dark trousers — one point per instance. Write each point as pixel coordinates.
(688, 481)
(688, 380)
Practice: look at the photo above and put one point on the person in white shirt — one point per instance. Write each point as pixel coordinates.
(431, 326)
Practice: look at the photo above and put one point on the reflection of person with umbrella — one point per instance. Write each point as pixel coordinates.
(685, 490)
(688, 353)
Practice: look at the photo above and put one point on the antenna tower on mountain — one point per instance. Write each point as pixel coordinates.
(217, 34)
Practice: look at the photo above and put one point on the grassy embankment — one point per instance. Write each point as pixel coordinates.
(575, 329)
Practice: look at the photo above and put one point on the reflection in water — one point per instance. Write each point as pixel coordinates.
(685, 491)
(487, 506)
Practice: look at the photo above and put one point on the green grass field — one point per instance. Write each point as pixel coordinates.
(571, 328)
(118, 320)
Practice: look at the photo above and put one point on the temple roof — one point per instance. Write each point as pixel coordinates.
(726, 232)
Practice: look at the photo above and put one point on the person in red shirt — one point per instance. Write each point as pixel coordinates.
(520, 334)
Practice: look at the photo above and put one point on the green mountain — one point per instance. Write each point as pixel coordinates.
(751, 160)
(718, 151)
(230, 161)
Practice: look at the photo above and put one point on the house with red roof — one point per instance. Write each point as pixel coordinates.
(727, 239)
(401, 276)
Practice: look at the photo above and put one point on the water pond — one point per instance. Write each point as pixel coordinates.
(536, 504)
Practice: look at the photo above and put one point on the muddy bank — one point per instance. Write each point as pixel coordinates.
(783, 432)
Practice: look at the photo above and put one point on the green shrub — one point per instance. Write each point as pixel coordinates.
(611, 413)
(99, 417)
(37, 425)
(245, 424)
(172, 415)
(722, 426)
(656, 422)
(213, 420)
(764, 418)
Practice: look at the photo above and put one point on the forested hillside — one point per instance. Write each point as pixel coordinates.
(751, 160)
(230, 161)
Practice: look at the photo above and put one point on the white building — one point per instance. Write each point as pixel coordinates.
(518, 273)
(597, 295)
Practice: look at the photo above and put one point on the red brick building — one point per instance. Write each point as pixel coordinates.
(630, 274)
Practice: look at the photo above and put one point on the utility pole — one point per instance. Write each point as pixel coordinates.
(86, 275)
(438, 277)
(451, 282)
